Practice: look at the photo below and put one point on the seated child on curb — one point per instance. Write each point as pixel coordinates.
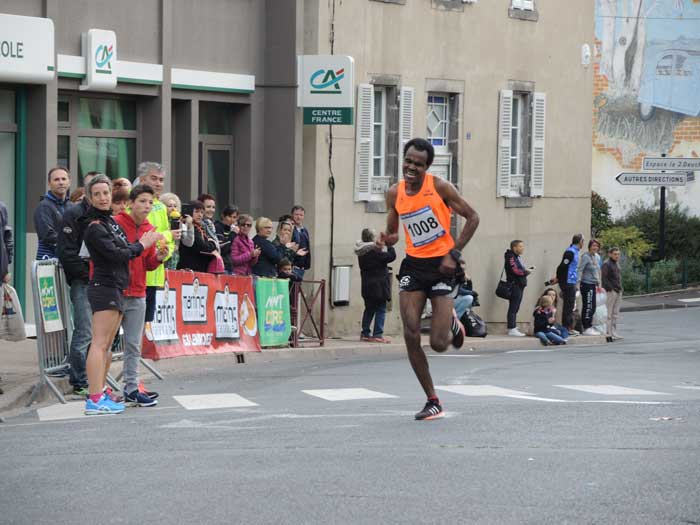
(545, 317)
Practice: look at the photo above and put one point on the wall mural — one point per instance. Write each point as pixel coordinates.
(646, 93)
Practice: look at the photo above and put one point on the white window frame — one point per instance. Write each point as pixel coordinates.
(431, 105)
(517, 177)
(379, 127)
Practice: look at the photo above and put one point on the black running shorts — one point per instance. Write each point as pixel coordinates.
(423, 274)
(105, 298)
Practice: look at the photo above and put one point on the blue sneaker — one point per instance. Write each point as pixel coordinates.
(104, 407)
(140, 399)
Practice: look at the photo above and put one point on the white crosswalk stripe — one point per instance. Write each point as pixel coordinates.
(481, 390)
(347, 394)
(209, 401)
(688, 387)
(612, 390)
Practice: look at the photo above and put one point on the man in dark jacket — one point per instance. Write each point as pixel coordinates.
(516, 273)
(375, 284)
(301, 236)
(612, 282)
(47, 216)
(76, 268)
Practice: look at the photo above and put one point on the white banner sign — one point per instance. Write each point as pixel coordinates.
(26, 49)
(100, 52)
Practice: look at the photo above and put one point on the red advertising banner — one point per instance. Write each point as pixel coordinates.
(202, 313)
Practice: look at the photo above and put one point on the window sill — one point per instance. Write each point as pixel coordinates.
(523, 14)
(518, 202)
(376, 206)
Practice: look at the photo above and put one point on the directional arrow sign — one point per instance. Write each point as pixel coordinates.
(652, 179)
(669, 163)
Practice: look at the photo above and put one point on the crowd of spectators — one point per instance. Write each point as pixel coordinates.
(133, 232)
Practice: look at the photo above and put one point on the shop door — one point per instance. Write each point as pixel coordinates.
(216, 172)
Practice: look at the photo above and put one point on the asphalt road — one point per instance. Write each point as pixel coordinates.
(599, 434)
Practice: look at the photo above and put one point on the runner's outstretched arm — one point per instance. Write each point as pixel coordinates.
(455, 201)
(391, 235)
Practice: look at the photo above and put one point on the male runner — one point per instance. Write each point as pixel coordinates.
(431, 268)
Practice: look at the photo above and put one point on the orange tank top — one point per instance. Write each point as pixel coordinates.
(426, 220)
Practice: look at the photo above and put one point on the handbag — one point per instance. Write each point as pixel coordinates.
(216, 265)
(474, 325)
(505, 288)
(11, 320)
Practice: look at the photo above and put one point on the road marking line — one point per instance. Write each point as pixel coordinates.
(455, 355)
(73, 410)
(688, 387)
(612, 390)
(529, 351)
(347, 394)
(691, 300)
(208, 401)
(481, 390)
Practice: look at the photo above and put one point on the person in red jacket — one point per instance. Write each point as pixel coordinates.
(134, 222)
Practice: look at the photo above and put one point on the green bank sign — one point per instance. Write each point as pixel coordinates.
(339, 116)
(326, 88)
(26, 49)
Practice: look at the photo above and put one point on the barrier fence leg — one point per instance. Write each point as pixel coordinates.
(113, 383)
(152, 369)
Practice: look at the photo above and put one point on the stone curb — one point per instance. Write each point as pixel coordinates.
(658, 306)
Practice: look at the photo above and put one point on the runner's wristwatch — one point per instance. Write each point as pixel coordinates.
(456, 254)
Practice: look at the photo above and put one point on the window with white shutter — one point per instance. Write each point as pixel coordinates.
(537, 154)
(363, 142)
(526, 5)
(505, 117)
(406, 97)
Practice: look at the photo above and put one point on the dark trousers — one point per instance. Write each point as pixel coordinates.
(516, 298)
(568, 292)
(376, 311)
(587, 304)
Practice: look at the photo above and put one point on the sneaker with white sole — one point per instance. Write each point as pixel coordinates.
(590, 331)
(104, 407)
(514, 332)
(140, 399)
(431, 410)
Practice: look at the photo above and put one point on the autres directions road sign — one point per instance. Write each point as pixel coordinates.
(670, 163)
(652, 179)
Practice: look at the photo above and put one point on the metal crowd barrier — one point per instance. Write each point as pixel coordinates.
(54, 346)
(302, 312)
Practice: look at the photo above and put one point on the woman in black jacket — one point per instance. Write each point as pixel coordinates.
(375, 284)
(110, 253)
(516, 273)
(197, 248)
(270, 256)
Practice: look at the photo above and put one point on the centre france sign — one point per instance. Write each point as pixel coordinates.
(26, 49)
(325, 89)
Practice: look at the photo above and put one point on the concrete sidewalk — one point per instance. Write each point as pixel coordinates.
(19, 369)
(687, 298)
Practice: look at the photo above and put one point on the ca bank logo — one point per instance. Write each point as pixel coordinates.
(329, 83)
(103, 57)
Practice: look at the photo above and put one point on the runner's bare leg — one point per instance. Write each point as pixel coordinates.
(411, 304)
(441, 322)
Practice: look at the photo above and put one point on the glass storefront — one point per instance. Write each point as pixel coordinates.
(8, 130)
(97, 134)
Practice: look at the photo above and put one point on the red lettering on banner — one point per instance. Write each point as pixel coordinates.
(220, 316)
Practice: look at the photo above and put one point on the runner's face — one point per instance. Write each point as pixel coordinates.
(101, 196)
(414, 165)
(141, 207)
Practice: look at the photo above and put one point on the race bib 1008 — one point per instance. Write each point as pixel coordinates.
(422, 227)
